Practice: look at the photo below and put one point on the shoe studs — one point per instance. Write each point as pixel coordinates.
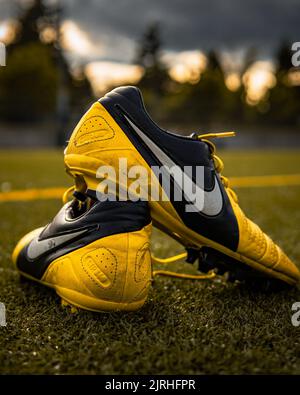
(67, 305)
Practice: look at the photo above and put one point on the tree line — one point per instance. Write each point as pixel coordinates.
(38, 82)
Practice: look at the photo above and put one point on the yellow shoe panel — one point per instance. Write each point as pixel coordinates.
(257, 246)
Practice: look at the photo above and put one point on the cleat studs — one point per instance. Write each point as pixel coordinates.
(74, 310)
(192, 254)
(66, 304)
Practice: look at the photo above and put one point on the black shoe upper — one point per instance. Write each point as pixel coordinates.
(126, 103)
(67, 232)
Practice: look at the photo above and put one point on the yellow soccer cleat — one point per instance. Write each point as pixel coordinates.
(117, 127)
(94, 254)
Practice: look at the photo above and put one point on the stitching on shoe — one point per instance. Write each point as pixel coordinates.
(80, 134)
(145, 246)
(98, 284)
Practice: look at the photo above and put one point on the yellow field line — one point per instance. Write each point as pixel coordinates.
(265, 181)
(32, 194)
(236, 182)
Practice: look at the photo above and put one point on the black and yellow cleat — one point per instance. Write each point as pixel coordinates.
(94, 254)
(118, 126)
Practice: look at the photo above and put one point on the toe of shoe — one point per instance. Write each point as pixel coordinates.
(23, 243)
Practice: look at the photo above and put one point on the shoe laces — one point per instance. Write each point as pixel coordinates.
(80, 202)
(67, 194)
(210, 275)
(219, 165)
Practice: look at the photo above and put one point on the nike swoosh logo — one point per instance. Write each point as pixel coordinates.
(213, 200)
(38, 247)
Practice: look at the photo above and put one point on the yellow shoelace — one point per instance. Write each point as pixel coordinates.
(176, 258)
(67, 193)
(219, 165)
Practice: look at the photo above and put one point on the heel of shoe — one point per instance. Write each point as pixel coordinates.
(110, 274)
(84, 170)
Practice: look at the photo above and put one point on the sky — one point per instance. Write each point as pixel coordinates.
(104, 33)
(189, 24)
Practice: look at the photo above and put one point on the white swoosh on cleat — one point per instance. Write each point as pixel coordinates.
(213, 200)
(37, 247)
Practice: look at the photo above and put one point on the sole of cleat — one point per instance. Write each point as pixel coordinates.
(89, 303)
(191, 238)
(77, 300)
(72, 308)
(210, 259)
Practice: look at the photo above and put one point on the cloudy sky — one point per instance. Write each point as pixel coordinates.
(115, 25)
(106, 31)
(190, 24)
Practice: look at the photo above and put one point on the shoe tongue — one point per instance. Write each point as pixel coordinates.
(91, 194)
(80, 196)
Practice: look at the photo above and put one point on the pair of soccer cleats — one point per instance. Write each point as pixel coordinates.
(96, 253)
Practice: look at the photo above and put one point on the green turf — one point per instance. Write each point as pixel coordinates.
(185, 326)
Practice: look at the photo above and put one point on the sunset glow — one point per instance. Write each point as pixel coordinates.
(7, 31)
(186, 66)
(77, 41)
(106, 74)
(258, 79)
(233, 81)
(294, 78)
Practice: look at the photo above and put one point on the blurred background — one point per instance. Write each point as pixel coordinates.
(201, 65)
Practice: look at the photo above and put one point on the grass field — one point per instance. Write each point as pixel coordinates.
(185, 327)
